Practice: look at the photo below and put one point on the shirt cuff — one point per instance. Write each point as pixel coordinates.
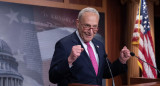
(70, 65)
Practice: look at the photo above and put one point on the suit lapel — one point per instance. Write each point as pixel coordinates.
(98, 49)
(84, 55)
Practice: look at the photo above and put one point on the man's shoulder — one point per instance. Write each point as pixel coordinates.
(97, 41)
(67, 38)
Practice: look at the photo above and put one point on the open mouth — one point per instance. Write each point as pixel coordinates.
(88, 35)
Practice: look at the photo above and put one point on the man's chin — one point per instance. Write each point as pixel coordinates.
(88, 40)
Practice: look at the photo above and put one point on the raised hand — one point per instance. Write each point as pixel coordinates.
(124, 55)
(75, 53)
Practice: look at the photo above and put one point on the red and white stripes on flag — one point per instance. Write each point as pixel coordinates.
(142, 37)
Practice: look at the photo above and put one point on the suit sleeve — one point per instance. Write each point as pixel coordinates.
(59, 68)
(116, 67)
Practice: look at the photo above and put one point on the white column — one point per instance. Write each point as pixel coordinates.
(2, 81)
(0, 66)
(6, 81)
(12, 82)
(9, 82)
(20, 83)
(16, 82)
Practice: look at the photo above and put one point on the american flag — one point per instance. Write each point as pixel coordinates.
(142, 37)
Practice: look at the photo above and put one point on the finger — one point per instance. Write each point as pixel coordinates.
(121, 54)
(126, 51)
(78, 51)
(127, 54)
(78, 46)
(124, 47)
(82, 49)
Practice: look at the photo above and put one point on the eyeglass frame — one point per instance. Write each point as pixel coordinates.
(88, 27)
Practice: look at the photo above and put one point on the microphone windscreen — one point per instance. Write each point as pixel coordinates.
(105, 55)
(132, 54)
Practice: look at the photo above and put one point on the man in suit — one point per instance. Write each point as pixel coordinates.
(80, 58)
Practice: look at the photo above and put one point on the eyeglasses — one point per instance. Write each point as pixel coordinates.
(88, 27)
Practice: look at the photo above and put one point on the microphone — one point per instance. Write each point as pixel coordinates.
(113, 83)
(133, 54)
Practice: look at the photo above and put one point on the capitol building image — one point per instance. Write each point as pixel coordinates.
(9, 75)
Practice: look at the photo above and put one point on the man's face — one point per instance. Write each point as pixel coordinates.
(88, 26)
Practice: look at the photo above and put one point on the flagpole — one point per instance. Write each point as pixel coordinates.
(140, 65)
(139, 18)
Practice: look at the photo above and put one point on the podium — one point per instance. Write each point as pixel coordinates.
(146, 84)
(77, 84)
(136, 81)
(139, 80)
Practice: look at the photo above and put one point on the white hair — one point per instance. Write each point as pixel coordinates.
(88, 9)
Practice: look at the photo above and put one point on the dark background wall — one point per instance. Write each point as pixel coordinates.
(157, 35)
(116, 13)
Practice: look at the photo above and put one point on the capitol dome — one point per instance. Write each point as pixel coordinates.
(4, 48)
(9, 75)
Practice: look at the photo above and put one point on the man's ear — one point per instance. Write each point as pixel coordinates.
(77, 23)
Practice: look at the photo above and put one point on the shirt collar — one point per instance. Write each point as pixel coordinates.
(80, 37)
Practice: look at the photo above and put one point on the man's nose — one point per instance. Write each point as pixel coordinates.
(91, 30)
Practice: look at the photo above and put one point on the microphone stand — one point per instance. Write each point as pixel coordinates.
(113, 83)
(148, 64)
(132, 54)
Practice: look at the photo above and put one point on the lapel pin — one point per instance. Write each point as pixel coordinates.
(97, 46)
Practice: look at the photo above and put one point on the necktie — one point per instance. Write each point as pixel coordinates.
(92, 57)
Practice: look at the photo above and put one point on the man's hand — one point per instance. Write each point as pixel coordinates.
(124, 55)
(75, 53)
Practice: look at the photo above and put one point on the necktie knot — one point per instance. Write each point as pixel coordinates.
(87, 43)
